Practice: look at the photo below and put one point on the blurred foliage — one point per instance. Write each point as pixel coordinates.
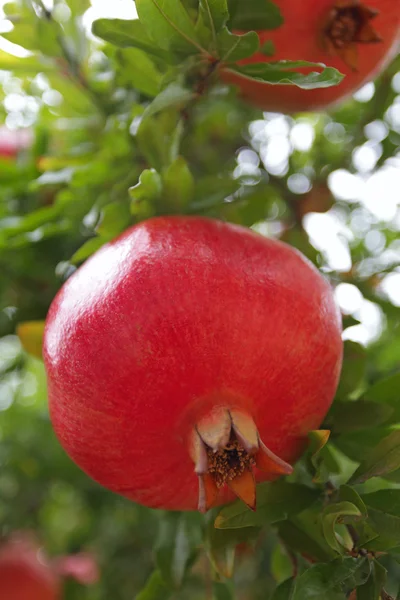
(128, 129)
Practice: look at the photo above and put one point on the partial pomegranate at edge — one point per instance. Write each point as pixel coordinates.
(357, 37)
(188, 359)
(25, 574)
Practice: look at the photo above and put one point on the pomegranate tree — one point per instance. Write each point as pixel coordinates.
(357, 37)
(188, 359)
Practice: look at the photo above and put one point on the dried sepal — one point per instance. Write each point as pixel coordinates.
(215, 428)
(269, 462)
(244, 486)
(225, 446)
(245, 430)
(208, 492)
(198, 453)
(349, 24)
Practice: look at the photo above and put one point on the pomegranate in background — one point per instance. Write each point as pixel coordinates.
(13, 141)
(25, 574)
(359, 38)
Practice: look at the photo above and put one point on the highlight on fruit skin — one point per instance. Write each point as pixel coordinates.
(357, 37)
(188, 359)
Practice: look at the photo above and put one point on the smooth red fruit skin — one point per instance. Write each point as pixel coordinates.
(299, 39)
(177, 315)
(24, 577)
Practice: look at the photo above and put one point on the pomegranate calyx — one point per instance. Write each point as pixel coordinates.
(349, 24)
(225, 447)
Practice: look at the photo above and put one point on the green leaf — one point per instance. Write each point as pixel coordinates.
(168, 24)
(285, 591)
(349, 494)
(178, 540)
(175, 95)
(353, 370)
(29, 64)
(222, 591)
(282, 73)
(78, 7)
(138, 70)
(346, 417)
(255, 15)
(330, 516)
(221, 544)
(125, 34)
(115, 217)
(179, 185)
(371, 589)
(31, 335)
(233, 47)
(384, 518)
(147, 191)
(321, 457)
(330, 581)
(384, 458)
(155, 588)
(303, 533)
(275, 502)
(87, 249)
(214, 13)
(387, 392)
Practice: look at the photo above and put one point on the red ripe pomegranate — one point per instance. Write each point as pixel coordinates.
(188, 359)
(358, 38)
(24, 574)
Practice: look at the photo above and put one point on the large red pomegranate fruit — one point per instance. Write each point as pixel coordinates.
(25, 574)
(188, 359)
(357, 37)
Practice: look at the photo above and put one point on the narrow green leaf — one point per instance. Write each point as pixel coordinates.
(353, 373)
(387, 392)
(215, 13)
(125, 34)
(115, 217)
(87, 249)
(275, 502)
(371, 589)
(360, 414)
(232, 47)
(178, 185)
(148, 189)
(136, 69)
(285, 591)
(349, 494)
(177, 543)
(384, 458)
(259, 15)
(303, 533)
(329, 518)
(31, 335)
(330, 581)
(175, 95)
(222, 591)
(168, 24)
(282, 73)
(155, 588)
(221, 544)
